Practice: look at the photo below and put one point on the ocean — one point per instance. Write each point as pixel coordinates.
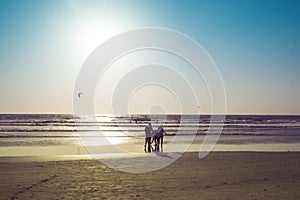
(36, 131)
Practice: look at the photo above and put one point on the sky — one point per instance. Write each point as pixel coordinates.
(255, 45)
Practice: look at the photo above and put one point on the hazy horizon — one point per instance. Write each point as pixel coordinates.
(61, 113)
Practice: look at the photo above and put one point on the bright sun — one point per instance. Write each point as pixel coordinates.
(92, 34)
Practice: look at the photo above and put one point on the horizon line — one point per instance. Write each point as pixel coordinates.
(67, 113)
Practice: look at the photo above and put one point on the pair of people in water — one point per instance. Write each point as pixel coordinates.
(154, 136)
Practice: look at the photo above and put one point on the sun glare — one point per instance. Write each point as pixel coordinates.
(92, 34)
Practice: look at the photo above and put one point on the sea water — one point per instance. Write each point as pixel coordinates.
(43, 132)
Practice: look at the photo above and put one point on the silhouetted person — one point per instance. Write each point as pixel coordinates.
(148, 132)
(158, 138)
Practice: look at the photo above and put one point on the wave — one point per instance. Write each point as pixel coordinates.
(240, 124)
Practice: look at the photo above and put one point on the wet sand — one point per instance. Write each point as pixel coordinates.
(220, 175)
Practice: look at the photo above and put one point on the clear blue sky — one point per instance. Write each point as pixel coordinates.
(255, 44)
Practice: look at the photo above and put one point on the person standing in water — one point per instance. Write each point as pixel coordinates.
(148, 132)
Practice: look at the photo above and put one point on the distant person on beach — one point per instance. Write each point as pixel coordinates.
(158, 138)
(148, 132)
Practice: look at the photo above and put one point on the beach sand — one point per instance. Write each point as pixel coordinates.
(220, 175)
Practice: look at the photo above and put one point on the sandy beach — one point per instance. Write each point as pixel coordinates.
(153, 100)
(220, 175)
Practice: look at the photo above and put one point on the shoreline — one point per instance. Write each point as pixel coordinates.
(87, 157)
(78, 152)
